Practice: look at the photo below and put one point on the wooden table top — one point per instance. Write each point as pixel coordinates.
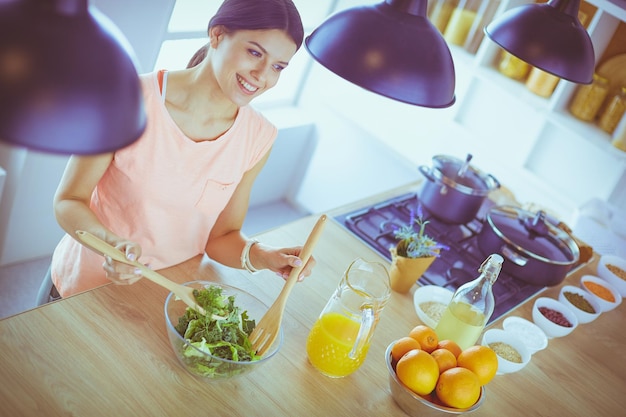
(106, 352)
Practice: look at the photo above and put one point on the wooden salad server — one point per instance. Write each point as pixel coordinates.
(268, 327)
(182, 292)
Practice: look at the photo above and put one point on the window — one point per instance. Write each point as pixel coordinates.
(186, 33)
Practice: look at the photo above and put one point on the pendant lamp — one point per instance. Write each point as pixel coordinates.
(68, 81)
(391, 49)
(548, 36)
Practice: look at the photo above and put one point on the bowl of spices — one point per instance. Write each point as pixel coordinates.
(430, 302)
(512, 352)
(604, 293)
(612, 269)
(533, 337)
(586, 308)
(554, 317)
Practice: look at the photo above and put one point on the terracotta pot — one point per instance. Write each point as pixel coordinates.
(404, 272)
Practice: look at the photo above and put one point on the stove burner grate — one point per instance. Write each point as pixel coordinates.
(375, 226)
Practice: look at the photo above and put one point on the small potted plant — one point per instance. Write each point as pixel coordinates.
(413, 254)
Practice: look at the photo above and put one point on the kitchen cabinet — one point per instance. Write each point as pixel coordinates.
(541, 132)
(531, 144)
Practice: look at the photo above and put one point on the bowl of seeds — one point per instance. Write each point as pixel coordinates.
(607, 296)
(430, 302)
(512, 352)
(553, 317)
(586, 308)
(612, 269)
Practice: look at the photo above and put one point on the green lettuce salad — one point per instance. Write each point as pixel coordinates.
(223, 333)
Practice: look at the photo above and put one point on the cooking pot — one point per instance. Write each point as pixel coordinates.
(454, 191)
(534, 250)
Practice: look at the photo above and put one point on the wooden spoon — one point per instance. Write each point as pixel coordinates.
(268, 327)
(182, 292)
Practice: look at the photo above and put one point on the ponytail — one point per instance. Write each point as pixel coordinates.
(198, 57)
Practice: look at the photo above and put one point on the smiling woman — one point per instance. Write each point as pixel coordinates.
(187, 32)
(210, 146)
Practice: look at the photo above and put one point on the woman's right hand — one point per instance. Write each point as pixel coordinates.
(120, 273)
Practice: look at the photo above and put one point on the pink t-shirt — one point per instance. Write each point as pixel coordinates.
(164, 191)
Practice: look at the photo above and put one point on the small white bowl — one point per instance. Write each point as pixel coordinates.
(581, 315)
(533, 337)
(605, 305)
(611, 277)
(550, 328)
(506, 366)
(435, 294)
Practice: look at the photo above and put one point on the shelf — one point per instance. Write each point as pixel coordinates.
(616, 8)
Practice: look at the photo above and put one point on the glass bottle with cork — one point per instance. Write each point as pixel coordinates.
(471, 306)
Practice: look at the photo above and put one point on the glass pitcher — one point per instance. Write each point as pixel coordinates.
(340, 338)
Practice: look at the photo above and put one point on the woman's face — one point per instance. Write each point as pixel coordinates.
(247, 63)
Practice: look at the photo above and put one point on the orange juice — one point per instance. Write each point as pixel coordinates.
(329, 344)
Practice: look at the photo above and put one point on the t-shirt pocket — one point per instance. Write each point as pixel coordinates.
(215, 195)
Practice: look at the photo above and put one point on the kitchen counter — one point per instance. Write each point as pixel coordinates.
(106, 352)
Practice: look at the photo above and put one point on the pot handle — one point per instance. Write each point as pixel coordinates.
(426, 172)
(513, 256)
(495, 181)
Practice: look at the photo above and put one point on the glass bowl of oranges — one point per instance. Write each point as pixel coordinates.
(428, 377)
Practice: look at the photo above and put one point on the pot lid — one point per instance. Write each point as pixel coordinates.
(532, 234)
(473, 181)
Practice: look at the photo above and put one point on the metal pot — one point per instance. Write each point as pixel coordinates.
(454, 191)
(534, 250)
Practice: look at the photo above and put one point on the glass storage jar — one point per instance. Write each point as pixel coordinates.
(461, 22)
(541, 83)
(589, 98)
(613, 111)
(513, 67)
(440, 13)
(619, 140)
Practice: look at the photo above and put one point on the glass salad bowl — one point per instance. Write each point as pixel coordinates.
(217, 347)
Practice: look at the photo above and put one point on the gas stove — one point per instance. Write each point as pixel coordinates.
(375, 225)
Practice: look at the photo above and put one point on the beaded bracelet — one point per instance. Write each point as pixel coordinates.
(245, 257)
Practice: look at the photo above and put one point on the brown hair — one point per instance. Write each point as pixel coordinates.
(255, 15)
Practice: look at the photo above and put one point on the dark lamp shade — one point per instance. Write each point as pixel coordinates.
(548, 36)
(391, 49)
(68, 81)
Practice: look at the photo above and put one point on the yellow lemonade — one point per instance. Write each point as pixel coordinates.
(462, 323)
(329, 343)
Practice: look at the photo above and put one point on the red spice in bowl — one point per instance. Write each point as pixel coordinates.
(555, 316)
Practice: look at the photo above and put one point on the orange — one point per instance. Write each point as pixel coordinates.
(418, 371)
(481, 360)
(445, 359)
(450, 345)
(402, 346)
(458, 387)
(426, 336)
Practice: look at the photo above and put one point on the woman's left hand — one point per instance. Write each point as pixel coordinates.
(282, 261)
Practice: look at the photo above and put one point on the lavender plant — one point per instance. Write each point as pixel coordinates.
(416, 243)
